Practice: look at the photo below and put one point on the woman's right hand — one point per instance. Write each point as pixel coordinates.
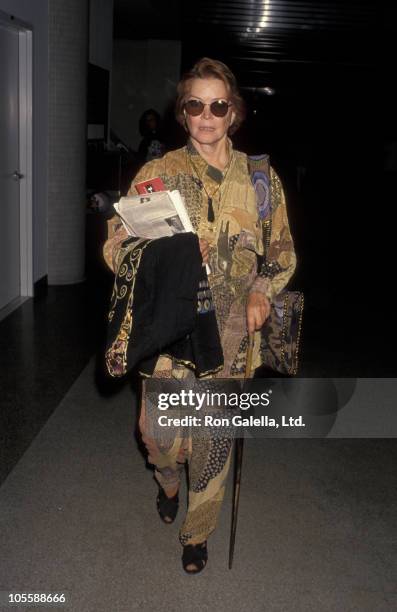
(204, 250)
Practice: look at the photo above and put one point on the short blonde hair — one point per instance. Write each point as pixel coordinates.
(207, 68)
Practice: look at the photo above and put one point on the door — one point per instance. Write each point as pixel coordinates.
(10, 280)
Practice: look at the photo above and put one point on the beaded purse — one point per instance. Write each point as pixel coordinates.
(280, 336)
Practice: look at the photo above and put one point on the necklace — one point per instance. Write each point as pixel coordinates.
(200, 182)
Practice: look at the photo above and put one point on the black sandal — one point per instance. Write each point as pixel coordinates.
(167, 506)
(195, 554)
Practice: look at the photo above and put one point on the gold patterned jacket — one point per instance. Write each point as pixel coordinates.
(235, 237)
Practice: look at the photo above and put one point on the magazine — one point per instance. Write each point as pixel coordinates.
(154, 215)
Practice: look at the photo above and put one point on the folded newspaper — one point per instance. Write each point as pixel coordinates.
(154, 215)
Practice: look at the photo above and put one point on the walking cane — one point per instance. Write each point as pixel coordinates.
(238, 463)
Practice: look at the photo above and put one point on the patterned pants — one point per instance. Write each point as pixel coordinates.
(208, 458)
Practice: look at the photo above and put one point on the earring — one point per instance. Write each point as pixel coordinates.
(185, 122)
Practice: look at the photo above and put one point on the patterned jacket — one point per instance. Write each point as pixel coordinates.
(235, 237)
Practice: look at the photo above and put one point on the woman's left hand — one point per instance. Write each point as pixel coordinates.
(258, 310)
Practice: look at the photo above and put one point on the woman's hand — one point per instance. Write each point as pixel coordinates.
(258, 310)
(204, 250)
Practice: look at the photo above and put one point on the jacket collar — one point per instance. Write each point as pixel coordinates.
(203, 167)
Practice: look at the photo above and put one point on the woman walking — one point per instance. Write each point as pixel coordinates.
(215, 183)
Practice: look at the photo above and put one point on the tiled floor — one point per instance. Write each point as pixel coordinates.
(316, 529)
(45, 343)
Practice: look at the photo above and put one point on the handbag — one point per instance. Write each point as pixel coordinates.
(280, 335)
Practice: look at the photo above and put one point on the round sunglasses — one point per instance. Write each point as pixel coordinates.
(219, 108)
